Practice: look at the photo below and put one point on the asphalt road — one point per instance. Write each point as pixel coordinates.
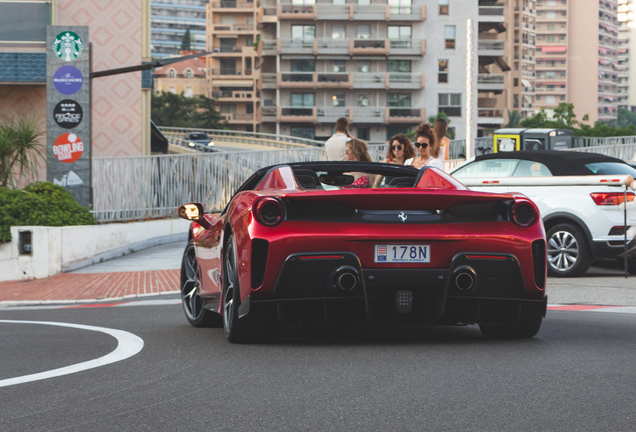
(577, 374)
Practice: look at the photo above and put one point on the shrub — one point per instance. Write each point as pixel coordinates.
(39, 204)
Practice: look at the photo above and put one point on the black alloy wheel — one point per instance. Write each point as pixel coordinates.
(568, 251)
(235, 328)
(195, 312)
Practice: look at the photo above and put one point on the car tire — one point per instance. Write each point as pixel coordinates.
(568, 251)
(527, 327)
(193, 306)
(237, 329)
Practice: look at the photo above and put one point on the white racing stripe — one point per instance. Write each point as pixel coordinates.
(128, 345)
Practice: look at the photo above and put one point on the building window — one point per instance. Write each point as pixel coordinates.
(400, 7)
(391, 131)
(338, 99)
(443, 6)
(338, 31)
(399, 66)
(442, 71)
(364, 32)
(302, 99)
(339, 65)
(363, 133)
(364, 100)
(449, 36)
(188, 91)
(228, 108)
(303, 132)
(450, 104)
(304, 33)
(398, 100)
(172, 89)
(303, 65)
(364, 66)
(550, 99)
(516, 82)
(171, 73)
(189, 73)
(400, 36)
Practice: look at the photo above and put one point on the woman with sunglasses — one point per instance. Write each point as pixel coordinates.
(400, 149)
(425, 140)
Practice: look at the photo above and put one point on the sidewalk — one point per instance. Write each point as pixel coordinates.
(149, 272)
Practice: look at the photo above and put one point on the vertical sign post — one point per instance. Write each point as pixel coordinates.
(68, 110)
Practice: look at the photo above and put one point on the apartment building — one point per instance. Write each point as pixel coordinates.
(233, 68)
(626, 60)
(577, 56)
(296, 66)
(170, 19)
(521, 54)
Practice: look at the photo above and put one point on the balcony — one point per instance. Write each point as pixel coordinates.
(490, 82)
(231, 73)
(410, 81)
(270, 47)
(233, 51)
(269, 80)
(296, 79)
(335, 80)
(332, 46)
(490, 116)
(492, 14)
(372, 115)
(493, 48)
(297, 46)
(297, 115)
(333, 12)
(297, 12)
(232, 29)
(232, 6)
(235, 96)
(370, 80)
(405, 115)
(326, 46)
(331, 114)
(269, 114)
(369, 46)
(233, 118)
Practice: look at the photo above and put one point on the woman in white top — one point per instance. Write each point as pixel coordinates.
(425, 140)
(440, 128)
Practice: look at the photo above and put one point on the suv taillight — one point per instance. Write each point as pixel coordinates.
(269, 211)
(611, 198)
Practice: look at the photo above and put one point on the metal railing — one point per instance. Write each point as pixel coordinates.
(175, 135)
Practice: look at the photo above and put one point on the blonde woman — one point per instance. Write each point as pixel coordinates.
(440, 128)
(357, 150)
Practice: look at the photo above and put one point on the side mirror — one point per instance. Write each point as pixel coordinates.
(191, 212)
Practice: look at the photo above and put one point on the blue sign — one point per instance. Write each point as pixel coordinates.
(68, 80)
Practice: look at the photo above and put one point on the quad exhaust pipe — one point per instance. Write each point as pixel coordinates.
(346, 279)
(464, 278)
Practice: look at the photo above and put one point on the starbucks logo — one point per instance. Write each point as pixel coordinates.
(67, 46)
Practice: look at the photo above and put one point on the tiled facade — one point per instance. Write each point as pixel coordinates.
(120, 36)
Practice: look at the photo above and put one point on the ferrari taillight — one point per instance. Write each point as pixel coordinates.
(523, 213)
(611, 198)
(269, 211)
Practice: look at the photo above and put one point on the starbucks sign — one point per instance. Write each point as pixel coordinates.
(67, 46)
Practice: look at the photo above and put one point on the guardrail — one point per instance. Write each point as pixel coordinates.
(178, 136)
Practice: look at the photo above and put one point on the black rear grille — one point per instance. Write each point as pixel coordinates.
(259, 261)
(538, 259)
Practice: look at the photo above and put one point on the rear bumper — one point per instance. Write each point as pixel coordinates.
(310, 291)
(613, 249)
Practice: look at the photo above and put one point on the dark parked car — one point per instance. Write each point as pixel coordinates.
(200, 141)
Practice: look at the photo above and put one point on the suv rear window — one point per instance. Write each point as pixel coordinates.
(611, 168)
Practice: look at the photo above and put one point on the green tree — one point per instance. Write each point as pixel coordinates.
(514, 119)
(176, 110)
(20, 148)
(186, 41)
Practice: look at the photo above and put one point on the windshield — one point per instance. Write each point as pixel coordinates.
(198, 136)
(611, 168)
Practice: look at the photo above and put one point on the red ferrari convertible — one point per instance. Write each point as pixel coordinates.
(311, 244)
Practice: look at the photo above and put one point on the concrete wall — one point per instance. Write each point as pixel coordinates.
(59, 249)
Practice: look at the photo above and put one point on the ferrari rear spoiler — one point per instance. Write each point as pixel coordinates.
(397, 199)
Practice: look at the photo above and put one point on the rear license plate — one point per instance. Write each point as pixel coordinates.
(402, 253)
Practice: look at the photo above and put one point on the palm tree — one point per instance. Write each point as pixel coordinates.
(514, 119)
(20, 148)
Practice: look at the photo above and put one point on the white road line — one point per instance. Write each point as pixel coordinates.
(128, 345)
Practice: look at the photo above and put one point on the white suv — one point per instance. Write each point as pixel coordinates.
(584, 223)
